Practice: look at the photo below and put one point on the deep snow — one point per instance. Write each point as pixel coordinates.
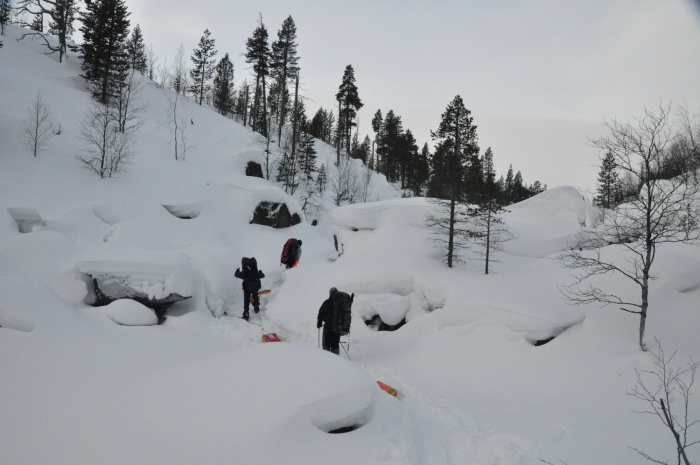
(86, 385)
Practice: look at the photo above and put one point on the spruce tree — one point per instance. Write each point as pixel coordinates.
(607, 182)
(284, 64)
(258, 55)
(349, 103)
(223, 87)
(103, 51)
(5, 9)
(456, 136)
(203, 70)
(137, 51)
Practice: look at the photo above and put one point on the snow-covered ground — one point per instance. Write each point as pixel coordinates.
(106, 385)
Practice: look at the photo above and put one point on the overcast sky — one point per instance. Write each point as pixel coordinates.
(539, 76)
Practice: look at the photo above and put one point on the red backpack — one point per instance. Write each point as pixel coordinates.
(287, 251)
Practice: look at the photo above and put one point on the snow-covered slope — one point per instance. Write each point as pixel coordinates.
(85, 385)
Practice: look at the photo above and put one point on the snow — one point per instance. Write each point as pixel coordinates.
(85, 385)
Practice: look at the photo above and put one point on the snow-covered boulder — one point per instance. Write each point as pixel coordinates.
(127, 312)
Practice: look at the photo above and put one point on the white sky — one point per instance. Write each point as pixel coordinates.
(539, 76)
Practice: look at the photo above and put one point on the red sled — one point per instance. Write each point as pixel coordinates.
(271, 337)
(388, 389)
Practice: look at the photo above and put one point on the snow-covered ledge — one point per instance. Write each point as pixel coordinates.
(154, 278)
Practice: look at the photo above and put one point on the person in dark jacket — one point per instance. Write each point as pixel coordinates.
(331, 336)
(251, 277)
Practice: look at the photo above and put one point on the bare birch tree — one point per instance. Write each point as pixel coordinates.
(661, 211)
(107, 150)
(36, 128)
(662, 387)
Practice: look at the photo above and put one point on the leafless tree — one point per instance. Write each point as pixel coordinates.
(61, 12)
(127, 106)
(344, 183)
(177, 124)
(662, 211)
(179, 74)
(365, 188)
(36, 129)
(107, 150)
(660, 388)
(151, 62)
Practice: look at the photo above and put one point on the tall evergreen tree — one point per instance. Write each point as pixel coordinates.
(258, 55)
(419, 171)
(103, 51)
(5, 9)
(349, 103)
(608, 188)
(223, 87)
(456, 135)
(284, 66)
(137, 51)
(203, 69)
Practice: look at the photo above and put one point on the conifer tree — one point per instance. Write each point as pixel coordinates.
(608, 192)
(5, 9)
(103, 52)
(136, 49)
(223, 87)
(258, 55)
(487, 228)
(349, 103)
(456, 136)
(419, 170)
(38, 23)
(284, 65)
(203, 69)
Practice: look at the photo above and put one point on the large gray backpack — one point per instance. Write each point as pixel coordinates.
(342, 311)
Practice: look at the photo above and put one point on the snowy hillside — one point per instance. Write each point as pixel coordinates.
(107, 385)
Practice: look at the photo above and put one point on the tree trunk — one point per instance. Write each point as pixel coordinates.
(450, 239)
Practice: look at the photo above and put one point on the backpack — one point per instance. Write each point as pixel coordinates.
(288, 251)
(250, 273)
(342, 311)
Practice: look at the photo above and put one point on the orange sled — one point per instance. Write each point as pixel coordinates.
(271, 337)
(388, 389)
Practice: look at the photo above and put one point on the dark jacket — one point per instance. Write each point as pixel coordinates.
(325, 315)
(239, 274)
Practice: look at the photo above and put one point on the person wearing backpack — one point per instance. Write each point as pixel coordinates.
(291, 253)
(251, 277)
(334, 316)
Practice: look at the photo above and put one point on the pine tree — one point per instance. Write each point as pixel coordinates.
(258, 55)
(420, 171)
(607, 183)
(137, 51)
(456, 136)
(5, 9)
(284, 65)
(203, 70)
(316, 126)
(487, 227)
(103, 52)
(349, 103)
(223, 87)
(38, 23)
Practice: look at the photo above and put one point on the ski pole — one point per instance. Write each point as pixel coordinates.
(319, 338)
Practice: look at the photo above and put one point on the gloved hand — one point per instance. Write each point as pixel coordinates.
(238, 270)
(319, 324)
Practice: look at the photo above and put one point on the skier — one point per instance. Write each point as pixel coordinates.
(291, 253)
(331, 335)
(251, 284)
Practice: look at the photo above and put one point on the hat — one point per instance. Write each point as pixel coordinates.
(332, 290)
